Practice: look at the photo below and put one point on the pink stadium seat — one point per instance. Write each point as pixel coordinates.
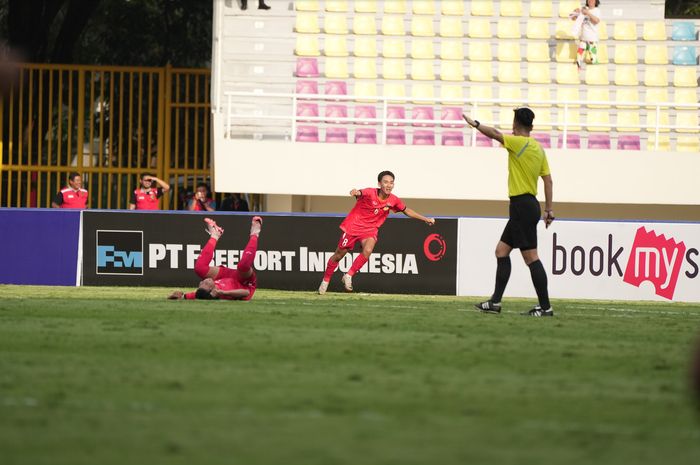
(307, 87)
(306, 109)
(483, 141)
(335, 88)
(365, 136)
(366, 111)
(573, 141)
(336, 111)
(544, 140)
(452, 114)
(307, 134)
(423, 138)
(307, 67)
(337, 135)
(395, 137)
(452, 138)
(599, 141)
(423, 112)
(395, 112)
(630, 142)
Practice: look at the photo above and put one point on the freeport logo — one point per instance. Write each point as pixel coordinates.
(434, 247)
(119, 252)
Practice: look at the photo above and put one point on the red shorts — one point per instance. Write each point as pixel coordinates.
(348, 242)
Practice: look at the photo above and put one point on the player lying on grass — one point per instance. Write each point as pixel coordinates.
(220, 282)
(362, 225)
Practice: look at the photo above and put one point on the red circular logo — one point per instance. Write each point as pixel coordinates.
(440, 245)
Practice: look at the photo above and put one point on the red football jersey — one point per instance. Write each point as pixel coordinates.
(370, 212)
(69, 198)
(146, 199)
(230, 284)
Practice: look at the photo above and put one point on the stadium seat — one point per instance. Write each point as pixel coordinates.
(395, 91)
(421, 91)
(687, 119)
(422, 49)
(567, 74)
(685, 77)
(543, 119)
(626, 75)
(505, 118)
(683, 95)
(336, 46)
(307, 45)
(337, 68)
(538, 73)
(306, 5)
(364, 25)
(657, 95)
(451, 50)
(603, 54)
(597, 94)
(307, 134)
(484, 115)
(306, 23)
(365, 136)
(625, 30)
(511, 8)
(509, 50)
(395, 112)
(337, 6)
(307, 67)
(306, 109)
(627, 94)
(655, 76)
(573, 141)
(423, 137)
(509, 72)
(626, 54)
(365, 68)
(335, 23)
(508, 28)
(566, 52)
(599, 141)
(480, 51)
(568, 94)
(482, 8)
(453, 115)
(307, 87)
(566, 7)
(544, 139)
(480, 92)
(537, 29)
(688, 144)
(394, 68)
(365, 91)
(452, 138)
(366, 112)
(451, 26)
(365, 46)
(656, 54)
(365, 6)
(596, 117)
(483, 141)
(451, 70)
(336, 136)
(395, 7)
(627, 121)
(684, 55)
(335, 88)
(537, 52)
(422, 70)
(628, 142)
(654, 30)
(510, 93)
(395, 137)
(424, 7)
(452, 8)
(602, 31)
(422, 26)
(597, 75)
(479, 28)
(563, 30)
(663, 118)
(392, 25)
(451, 94)
(683, 30)
(664, 144)
(573, 120)
(423, 112)
(535, 93)
(541, 8)
(394, 48)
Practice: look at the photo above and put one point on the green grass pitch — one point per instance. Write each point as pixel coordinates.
(122, 376)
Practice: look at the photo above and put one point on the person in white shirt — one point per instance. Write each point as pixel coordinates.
(586, 30)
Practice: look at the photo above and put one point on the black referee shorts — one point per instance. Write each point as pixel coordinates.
(521, 230)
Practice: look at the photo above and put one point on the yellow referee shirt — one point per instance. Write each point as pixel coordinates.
(526, 162)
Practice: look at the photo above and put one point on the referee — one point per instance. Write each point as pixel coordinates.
(526, 162)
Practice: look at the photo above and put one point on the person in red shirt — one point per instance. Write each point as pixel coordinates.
(362, 225)
(220, 282)
(146, 196)
(201, 201)
(73, 195)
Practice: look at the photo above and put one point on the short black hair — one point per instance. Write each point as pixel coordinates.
(385, 173)
(203, 184)
(203, 294)
(72, 175)
(524, 116)
(143, 175)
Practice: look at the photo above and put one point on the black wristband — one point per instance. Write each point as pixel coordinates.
(477, 123)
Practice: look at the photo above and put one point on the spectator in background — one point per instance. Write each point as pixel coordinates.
(146, 196)
(234, 203)
(585, 30)
(73, 195)
(261, 5)
(202, 200)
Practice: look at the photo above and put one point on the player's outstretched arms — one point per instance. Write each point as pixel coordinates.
(235, 293)
(356, 193)
(414, 214)
(177, 295)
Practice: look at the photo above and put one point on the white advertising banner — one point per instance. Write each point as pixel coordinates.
(589, 260)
